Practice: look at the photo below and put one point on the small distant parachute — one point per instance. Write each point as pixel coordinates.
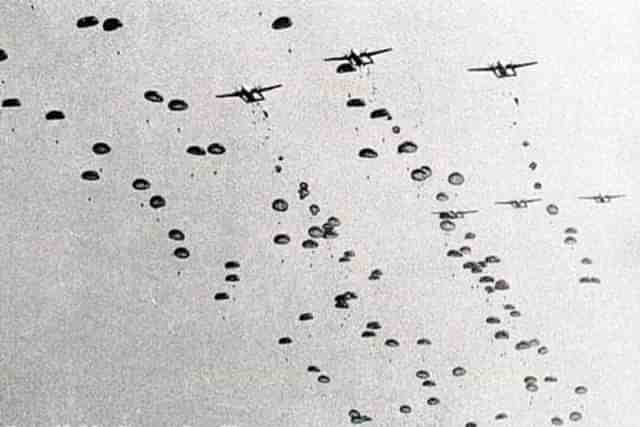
(345, 68)
(281, 23)
(356, 102)
(11, 103)
(380, 113)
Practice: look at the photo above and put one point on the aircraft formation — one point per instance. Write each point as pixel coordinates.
(466, 255)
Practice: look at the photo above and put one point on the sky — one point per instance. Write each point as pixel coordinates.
(101, 324)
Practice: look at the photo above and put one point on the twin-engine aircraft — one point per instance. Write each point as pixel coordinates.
(518, 204)
(501, 71)
(249, 95)
(602, 198)
(453, 214)
(358, 59)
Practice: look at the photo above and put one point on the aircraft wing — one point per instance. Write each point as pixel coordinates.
(588, 197)
(337, 58)
(505, 202)
(615, 196)
(377, 52)
(266, 88)
(467, 212)
(229, 95)
(524, 64)
(482, 69)
(531, 200)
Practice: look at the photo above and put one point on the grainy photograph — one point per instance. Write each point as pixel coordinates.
(325, 213)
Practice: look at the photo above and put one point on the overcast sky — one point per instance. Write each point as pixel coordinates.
(100, 323)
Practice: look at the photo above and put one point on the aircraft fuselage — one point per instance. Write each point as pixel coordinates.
(250, 95)
(501, 71)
